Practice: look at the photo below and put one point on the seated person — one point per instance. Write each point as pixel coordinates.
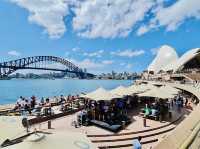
(42, 101)
(56, 100)
(154, 112)
(105, 108)
(17, 106)
(62, 99)
(147, 110)
(33, 102)
(22, 102)
(26, 105)
(47, 107)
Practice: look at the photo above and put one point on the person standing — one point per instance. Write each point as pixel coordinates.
(33, 102)
(136, 143)
(62, 99)
(186, 102)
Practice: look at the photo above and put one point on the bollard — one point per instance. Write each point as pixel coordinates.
(123, 124)
(170, 114)
(160, 117)
(49, 124)
(144, 122)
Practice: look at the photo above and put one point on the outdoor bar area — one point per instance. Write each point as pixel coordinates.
(105, 109)
(112, 109)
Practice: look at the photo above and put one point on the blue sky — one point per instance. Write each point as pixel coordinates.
(98, 35)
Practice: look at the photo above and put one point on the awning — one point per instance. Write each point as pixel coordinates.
(135, 89)
(157, 93)
(101, 94)
(188, 88)
(120, 90)
(170, 89)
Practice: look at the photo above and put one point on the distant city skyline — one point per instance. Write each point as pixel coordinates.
(101, 36)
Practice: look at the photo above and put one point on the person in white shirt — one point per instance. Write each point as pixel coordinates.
(20, 99)
(22, 102)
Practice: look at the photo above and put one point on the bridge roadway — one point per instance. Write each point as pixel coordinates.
(51, 69)
(6, 68)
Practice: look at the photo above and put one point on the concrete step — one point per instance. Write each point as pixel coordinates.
(123, 137)
(126, 141)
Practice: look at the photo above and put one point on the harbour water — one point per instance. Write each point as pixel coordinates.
(10, 90)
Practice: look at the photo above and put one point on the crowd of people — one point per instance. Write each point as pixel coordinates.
(108, 111)
(33, 104)
(114, 110)
(160, 108)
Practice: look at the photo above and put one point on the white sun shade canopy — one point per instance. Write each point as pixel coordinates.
(120, 90)
(170, 89)
(101, 94)
(157, 93)
(135, 89)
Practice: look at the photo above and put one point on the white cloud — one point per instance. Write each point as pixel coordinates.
(107, 62)
(93, 18)
(142, 30)
(94, 54)
(129, 66)
(86, 63)
(173, 16)
(122, 64)
(14, 53)
(128, 53)
(48, 14)
(90, 64)
(145, 28)
(76, 49)
(109, 18)
(154, 51)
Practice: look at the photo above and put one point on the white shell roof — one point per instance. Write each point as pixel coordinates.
(167, 59)
(185, 58)
(165, 55)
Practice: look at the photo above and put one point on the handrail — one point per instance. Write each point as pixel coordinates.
(191, 138)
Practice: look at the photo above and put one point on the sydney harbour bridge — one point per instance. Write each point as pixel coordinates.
(41, 63)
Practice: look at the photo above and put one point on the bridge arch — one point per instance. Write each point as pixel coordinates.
(6, 68)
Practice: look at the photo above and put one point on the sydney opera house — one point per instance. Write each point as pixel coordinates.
(167, 60)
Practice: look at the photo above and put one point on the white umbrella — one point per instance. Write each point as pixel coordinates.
(170, 89)
(120, 90)
(101, 94)
(134, 89)
(70, 140)
(156, 93)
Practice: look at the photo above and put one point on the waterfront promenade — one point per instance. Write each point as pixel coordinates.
(166, 134)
